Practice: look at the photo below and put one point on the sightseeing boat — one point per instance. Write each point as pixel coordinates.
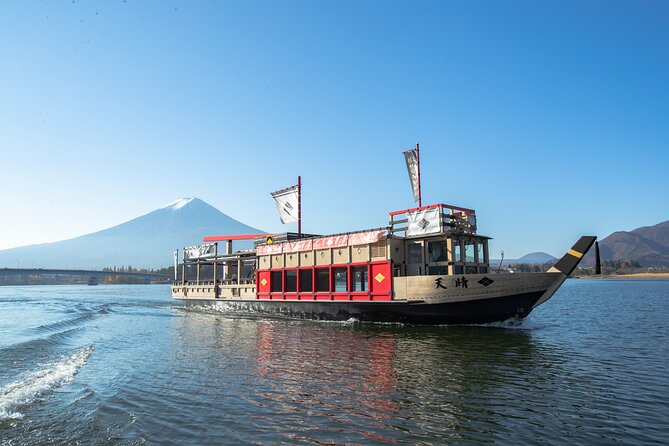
(428, 266)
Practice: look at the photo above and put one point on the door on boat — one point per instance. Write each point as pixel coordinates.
(437, 257)
(415, 261)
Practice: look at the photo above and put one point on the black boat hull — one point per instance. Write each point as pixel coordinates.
(476, 311)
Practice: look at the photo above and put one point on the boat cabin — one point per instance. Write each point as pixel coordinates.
(435, 240)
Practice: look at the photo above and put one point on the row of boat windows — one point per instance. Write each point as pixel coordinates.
(319, 280)
(437, 252)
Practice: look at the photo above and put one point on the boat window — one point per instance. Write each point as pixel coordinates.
(291, 281)
(305, 279)
(339, 275)
(322, 279)
(415, 253)
(481, 254)
(438, 270)
(436, 251)
(359, 278)
(275, 282)
(457, 256)
(469, 252)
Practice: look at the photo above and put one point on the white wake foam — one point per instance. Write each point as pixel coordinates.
(32, 385)
(526, 324)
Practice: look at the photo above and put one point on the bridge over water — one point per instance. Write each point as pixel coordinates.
(79, 272)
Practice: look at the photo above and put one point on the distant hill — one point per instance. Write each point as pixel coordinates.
(533, 258)
(648, 245)
(147, 241)
(536, 258)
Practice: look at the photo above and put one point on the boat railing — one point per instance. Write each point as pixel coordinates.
(237, 282)
(432, 219)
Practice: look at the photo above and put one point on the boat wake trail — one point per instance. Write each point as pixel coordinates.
(32, 385)
(525, 324)
(86, 315)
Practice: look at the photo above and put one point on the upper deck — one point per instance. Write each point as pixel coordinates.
(433, 219)
(432, 240)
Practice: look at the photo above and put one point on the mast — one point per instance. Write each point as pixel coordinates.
(420, 201)
(299, 205)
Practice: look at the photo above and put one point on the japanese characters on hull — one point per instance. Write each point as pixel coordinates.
(461, 282)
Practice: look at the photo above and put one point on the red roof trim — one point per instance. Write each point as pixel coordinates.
(432, 206)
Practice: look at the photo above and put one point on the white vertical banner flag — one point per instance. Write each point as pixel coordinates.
(411, 157)
(176, 263)
(286, 204)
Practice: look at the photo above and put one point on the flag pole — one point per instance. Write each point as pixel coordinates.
(420, 201)
(299, 206)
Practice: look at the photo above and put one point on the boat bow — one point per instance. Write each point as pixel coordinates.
(566, 265)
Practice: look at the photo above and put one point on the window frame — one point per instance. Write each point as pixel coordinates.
(364, 268)
(286, 271)
(272, 281)
(301, 270)
(317, 270)
(333, 283)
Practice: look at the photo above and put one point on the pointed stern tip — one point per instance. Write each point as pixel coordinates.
(568, 263)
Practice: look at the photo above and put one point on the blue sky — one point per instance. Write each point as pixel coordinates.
(551, 119)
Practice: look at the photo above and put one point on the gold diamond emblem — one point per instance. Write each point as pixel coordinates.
(263, 282)
(379, 277)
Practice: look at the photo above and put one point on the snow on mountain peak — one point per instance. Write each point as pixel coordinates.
(178, 204)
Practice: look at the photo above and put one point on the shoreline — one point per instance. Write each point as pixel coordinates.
(628, 276)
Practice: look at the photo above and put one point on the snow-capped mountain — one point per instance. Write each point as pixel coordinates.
(147, 241)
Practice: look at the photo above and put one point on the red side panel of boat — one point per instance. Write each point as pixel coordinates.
(262, 284)
(381, 280)
(379, 285)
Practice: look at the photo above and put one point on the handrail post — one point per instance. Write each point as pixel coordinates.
(215, 267)
(183, 269)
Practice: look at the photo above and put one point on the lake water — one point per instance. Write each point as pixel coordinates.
(126, 365)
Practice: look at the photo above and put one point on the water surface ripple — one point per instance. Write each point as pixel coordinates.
(125, 365)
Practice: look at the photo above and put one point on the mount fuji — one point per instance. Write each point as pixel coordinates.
(144, 242)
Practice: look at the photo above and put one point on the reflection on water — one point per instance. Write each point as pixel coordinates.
(332, 375)
(155, 372)
(342, 382)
